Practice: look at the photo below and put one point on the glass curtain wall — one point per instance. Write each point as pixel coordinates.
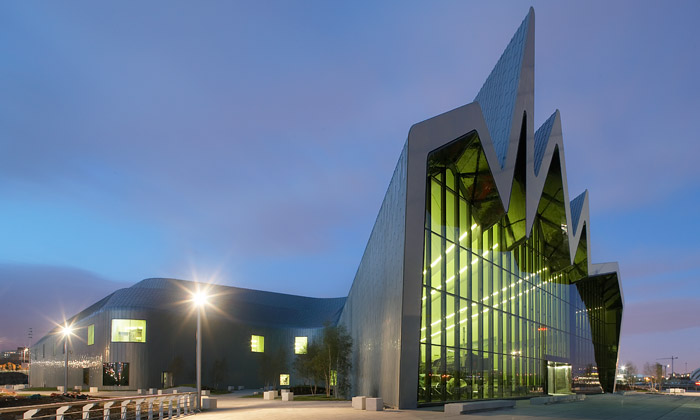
(491, 317)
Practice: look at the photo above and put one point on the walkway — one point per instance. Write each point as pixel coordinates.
(635, 406)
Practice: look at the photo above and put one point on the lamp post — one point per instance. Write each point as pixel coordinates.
(199, 299)
(66, 332)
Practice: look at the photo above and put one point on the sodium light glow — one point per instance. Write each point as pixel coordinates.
(67, 330)
(199, 299)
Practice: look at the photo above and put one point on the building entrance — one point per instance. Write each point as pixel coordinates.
(558, 378)
(166, 380)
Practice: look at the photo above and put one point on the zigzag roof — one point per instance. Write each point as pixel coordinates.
(501, 117)
(507, 100)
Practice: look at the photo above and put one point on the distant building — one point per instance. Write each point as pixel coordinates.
(476, 282)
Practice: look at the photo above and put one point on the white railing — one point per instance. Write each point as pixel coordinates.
(139, 407)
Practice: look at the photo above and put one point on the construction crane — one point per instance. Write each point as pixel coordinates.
(672, 358)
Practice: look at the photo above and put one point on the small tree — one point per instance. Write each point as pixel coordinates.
(310, 366)
(631, 373)
(654, 372)
(272, 365)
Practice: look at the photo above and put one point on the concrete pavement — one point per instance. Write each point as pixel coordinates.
(607, 406)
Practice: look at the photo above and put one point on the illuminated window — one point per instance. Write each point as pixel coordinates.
(284, 379)
(129, 330)
(334, 378)
(300, 345)
(257, 344)
(91, 335)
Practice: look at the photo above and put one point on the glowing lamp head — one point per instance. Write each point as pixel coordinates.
(199, 299)
(67, 330)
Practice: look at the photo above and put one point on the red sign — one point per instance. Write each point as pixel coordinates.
(542, 329)
(697, 383)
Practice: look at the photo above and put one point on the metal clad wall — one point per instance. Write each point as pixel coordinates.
(372, 312)
(170, 336)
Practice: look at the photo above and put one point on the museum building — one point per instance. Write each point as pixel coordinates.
(476, 281)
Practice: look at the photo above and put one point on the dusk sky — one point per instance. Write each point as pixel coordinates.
(251, 143)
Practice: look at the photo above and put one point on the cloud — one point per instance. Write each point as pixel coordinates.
(40, 296)
(660, 315)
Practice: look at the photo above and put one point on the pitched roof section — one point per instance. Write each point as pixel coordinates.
(497, 95)
(541, 141)
(576, 207)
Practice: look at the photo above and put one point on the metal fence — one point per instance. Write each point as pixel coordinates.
(126, 408)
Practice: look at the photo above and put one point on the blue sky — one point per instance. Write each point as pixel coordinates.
(252, 142)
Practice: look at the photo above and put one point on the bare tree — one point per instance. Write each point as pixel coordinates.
(631, 373)
(654, 372)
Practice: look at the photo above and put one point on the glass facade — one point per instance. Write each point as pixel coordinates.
(495, 313)
(128, 331)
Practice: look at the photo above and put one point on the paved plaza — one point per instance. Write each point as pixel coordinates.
(605, 406)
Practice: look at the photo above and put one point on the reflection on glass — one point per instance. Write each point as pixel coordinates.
(115, 374)
(495, 309)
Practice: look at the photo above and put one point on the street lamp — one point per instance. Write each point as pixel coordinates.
(66, 331)
(199, 299)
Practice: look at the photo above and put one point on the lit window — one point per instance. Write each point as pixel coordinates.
(257, 344)
(129, 330)
(91, 335)
(300, 344)
(284, 379)
(334, 378)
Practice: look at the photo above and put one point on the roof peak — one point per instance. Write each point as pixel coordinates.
(497, 97)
